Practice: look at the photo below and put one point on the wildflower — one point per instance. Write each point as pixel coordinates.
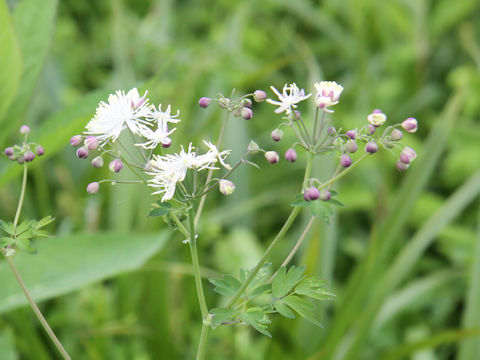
(82, 152)
(325, 195)
(272, 157)
(401, 166)
(226, 187)
(371, 129)
(328, 94)
(276, 135)
(204, 102)
(351, 134)
(163, 117)
(311, 194)
(24, 129)
(345, 160)
(291, 155)
(93, 187)
(396, 135)
(29, 156)
(259, 95)
(371, 147)
(76, 140)
(9, 151)
(377, 118)
(253, 147)
(97, 162)
(247, 103)
(155, 137)
(410, 125)
(246, 113)
(115, 165)
(91, 142)
(289, 98)
(409, 152)
(39, 150)
(351, 146)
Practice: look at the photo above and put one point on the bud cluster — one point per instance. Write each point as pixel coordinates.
(26, 152)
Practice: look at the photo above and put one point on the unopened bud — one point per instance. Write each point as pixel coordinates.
(371, 129)
(204, 102)
(259, 95)
(115, 165)
(401, 166)
(82, 152)
(224, 103)
(166, 143)
(97, 162)
(396, 135)
(410, 125)
(351, 146)
(24, 129)
(377, 118)
(351, 134)
(331, 130)
(39, 150)
(410, 153)
(345, 160)
(371, 147)
(93, 187)
(277, 135)
(226, 187)
(76, 140)
(404, 158)
(311, 194)
(247, 103)
(253, 147)
(91, 142)
(29, 156)
(8, 151)
(247, 113)
(291, 155)
(325, 195)
(237, 112)
(272, 157)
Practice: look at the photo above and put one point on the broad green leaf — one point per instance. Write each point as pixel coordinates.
(284, 282)
(68, 263)
(10, 59)
(305, 308)
(160, 211)
(260, 290)
(315, 288)
(283, 309)
(222, 314)
(258, 319)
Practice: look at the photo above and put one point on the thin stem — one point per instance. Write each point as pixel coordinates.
(203, 342)
(295, 248)
(142, 153)
(180, 226)
(22, 195)
(37, 311)
(315, 139)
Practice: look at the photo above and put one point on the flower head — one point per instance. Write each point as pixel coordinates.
(289, 98)
(377, 118)
(328, 94)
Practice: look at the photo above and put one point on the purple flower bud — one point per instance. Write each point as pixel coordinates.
(371, 147)
(76, 140)
(325, 195)
(20, 159)
(82, 152)
(404, 158)
(259, 95)
(396, 135)
(204, 102)
(39, 150)
(29, 156)
(247, 113)
(401, 166)
(93, 187)
(226, 187)
(97, 162)
(345, 160)
(410, 125)
(166, 144)
(277, 135)
(8, 151)
(247, 103)
(115, 165)
(351, 134)
(408, 151)
(291, 155)
(24, 129)
(13, 157)
(272, 157)
(371, 129)
(91, 142)
(331, 130)
(351, 146)
(311, 193)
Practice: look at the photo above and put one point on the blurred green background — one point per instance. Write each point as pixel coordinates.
(403, 256)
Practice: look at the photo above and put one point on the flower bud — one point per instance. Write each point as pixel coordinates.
(97, 162)
(311, 194)
(396, 135)
(259, 95)
(237, 112)
(82, 152)
(93, 187)
(29, 156)
(410, 125)
(345, 160)
(325, 195)
(13, 157)
(371, 147)
(377, 118)
(166, 144)
(351, 134)
(401, 166)
(8, 151)
(204, 102)
(247, 113)
(226, 187)
(277, 135)
(351, 146)
(331, 130)
(291, 155)
(24, 129)
(404, 158)
(371, 129)
(272, 157)
(115, 165)
(20, 159)
(91, 142)
(39, 150)
(253, 147)
(247, 103)
(76, 140)
(224, 102)
(408, 151)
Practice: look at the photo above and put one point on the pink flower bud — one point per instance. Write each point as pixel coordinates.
(166, 144)
(247, 103)
(410, 125)
(115, 165)
(345, 160)
(331, 130)
(404, 158)
(272, 157)
(97, 162)
(401, 166)
(325, 195)
(277, 135)
(291, 155)
(226, 187)
(259, 95)
(396, 135)
(39, 150)
(371, 147)
(82, 152)
(24, 129)
(247, 113)
(8, 151)
(351, 134)
(93, 187)
(29, 156)
(409, 152)
(351, 146)
(371, 129)
(76, 140)
(311, 194)
(91, 142)
(204, 102)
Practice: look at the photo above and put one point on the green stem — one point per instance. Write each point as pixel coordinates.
(22, 195)
(180, 226)
(342, 174)
(203, 342)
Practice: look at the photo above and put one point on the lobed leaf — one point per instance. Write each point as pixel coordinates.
(304, 308)
(256, 318)
(315, 288)
(284, 282)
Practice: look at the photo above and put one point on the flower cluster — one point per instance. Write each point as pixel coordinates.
(25, 152)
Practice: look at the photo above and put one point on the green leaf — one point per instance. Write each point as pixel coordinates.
(306, 309)
(5, 241)
(7, 227)
(284, 282)
(315, 288)
(335, 202)
(44, 222)
(160, 211)
(69, 263)
(322, 209)
(227, 286)
(222, 314)
(260, 290)
(10, 60)
(25, 245)
(300, 201)
(24, 226)
(283, 309)
(258, 319)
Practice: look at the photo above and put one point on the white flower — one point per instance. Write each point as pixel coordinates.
(122, 111)
(163, 117)
(328, 94)
(291, 96)
(377, 118)
(213, 155)
(159, 136)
